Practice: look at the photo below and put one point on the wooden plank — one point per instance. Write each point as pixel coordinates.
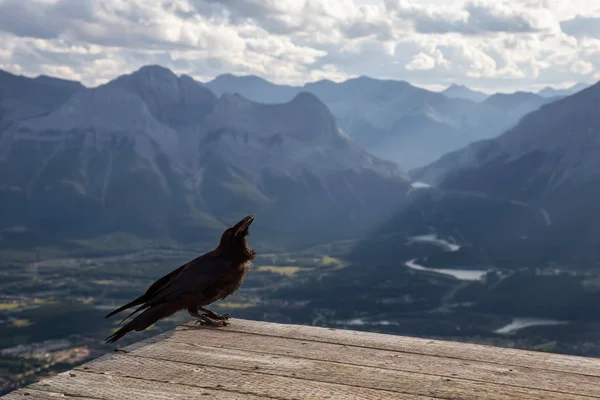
(432, 365)
(253, 360)
(83, 384)
(457, 350)
(337, 373)
(34, 394)
(231, 380)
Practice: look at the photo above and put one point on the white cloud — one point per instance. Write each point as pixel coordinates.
(422, 62)
(488, 44)
(582, 67)
(474, 17)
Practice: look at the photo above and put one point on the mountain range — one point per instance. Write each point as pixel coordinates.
(547, 164)
(549, 92)
(153, 154)
(157, 155)
(463, 92)
(395, 120)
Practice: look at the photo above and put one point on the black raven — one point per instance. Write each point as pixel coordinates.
(212, 276)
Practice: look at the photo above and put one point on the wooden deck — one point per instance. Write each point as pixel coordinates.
(256, 360)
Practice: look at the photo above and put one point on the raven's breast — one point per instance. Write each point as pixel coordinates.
(228, 283)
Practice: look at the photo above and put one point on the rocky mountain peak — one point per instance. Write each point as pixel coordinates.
(173, 100)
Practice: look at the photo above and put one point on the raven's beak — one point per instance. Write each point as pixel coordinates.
(243, 225)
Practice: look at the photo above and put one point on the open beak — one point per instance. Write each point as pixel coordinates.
(243, 225)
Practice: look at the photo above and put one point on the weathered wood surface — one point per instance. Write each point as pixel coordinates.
(256, 360)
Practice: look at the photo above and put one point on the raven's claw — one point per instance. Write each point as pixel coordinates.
(217, 316)
(209, 322)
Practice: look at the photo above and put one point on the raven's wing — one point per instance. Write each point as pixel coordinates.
(159, 285)
(194, 278)
(155, 287)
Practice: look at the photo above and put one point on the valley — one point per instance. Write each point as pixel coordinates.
(52, 311)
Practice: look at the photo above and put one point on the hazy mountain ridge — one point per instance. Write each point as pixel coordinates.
(563, 128)
(393, 119)
(550, 92)
(464, 92)
(253, 87)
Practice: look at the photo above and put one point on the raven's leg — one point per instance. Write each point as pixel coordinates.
(214, 315)
(203, 319)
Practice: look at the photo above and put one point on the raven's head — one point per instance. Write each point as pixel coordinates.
(233, 241)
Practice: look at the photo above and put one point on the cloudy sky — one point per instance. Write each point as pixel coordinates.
(489, 44)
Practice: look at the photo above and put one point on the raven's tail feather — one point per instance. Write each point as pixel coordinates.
(137, 310)
(118, 334)
(136, 302)
(143, 321)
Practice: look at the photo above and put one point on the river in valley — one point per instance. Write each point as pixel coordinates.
(461, 274)
(521, 323)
